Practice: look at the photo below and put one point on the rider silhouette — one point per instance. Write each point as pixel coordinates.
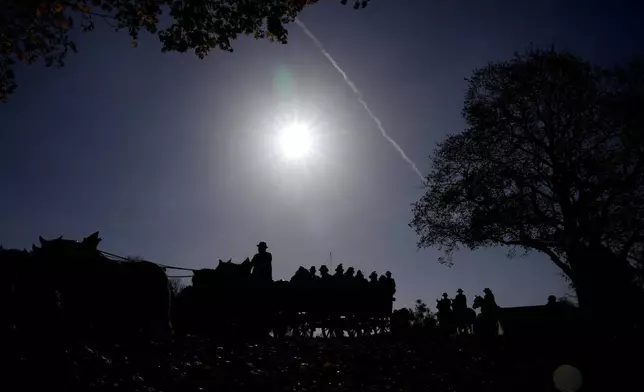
(262, 263)
(460, 301)
(552, 300)
(443, 305)
(488, 299)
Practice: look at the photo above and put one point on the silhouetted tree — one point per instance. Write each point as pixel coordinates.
(417, 320)
(568, 300)
(34, 30)
(552, 160)
(423, 317)
(401, 320)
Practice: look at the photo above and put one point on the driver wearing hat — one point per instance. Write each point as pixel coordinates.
(262, 263)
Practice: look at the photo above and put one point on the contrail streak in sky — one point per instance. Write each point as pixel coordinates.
(360, 99)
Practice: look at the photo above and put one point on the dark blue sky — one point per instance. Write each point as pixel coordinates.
(172, 158)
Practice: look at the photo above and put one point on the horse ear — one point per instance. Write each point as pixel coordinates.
(59, 238)
(220, 261)
(34, 248)
(247, 260)
(92, 237)
(42, 240)
(93, 240)
(230, 260)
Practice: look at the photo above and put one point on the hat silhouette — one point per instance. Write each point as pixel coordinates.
(262, 245)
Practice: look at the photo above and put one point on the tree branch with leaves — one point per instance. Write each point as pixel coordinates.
(35, 30)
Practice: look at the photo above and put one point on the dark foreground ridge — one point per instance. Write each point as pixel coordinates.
(78, 321)
(338, 364)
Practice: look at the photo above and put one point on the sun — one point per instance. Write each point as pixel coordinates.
(295, 141)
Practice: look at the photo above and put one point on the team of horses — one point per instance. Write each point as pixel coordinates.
(71, 288)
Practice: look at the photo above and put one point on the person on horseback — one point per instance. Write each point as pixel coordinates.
(463, 317)
(489, 297)
(552, 300)
(445, 316)
(460, 301)
(443, 305)
(262, 264)
(489, 301)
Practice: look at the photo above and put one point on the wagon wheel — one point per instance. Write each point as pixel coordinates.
(363, 326)
(290, 330)
(381, 326)
(309, 329)
(328, 327)
(373, 326)
(368, 330)
(296, 328)
(355, 327)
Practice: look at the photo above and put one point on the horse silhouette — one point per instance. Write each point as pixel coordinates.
(464, 320)
(72, 289)
(218, 300)
(486, 323)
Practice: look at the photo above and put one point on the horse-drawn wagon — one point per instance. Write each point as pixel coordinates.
(228, 299)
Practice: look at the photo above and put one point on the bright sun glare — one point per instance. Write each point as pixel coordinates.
(295, 141)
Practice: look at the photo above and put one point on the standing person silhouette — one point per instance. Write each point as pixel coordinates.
(262, 264)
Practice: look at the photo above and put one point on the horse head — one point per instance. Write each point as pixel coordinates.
(246, 266)
(478, 302)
